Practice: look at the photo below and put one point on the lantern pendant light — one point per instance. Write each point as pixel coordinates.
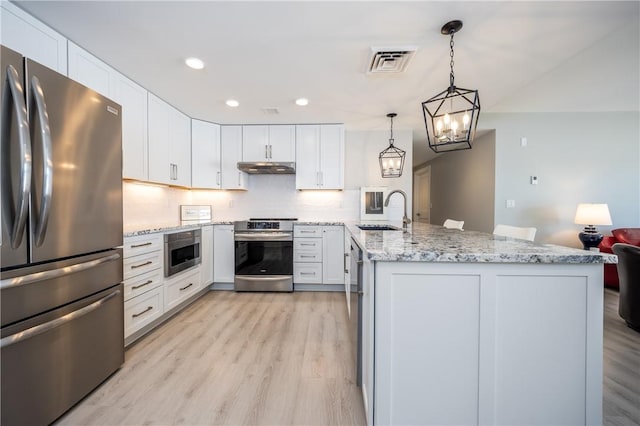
(451, 116)
(392, 158)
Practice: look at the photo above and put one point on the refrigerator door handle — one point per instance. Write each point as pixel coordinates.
(22, 208)
(56, 273)
(43, 328)
(47, 157)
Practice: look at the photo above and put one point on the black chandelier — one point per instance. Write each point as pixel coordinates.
(451, 116)
(392, 158)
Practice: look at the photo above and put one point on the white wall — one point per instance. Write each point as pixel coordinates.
(578, 158)
(275, 195)
(463, 185)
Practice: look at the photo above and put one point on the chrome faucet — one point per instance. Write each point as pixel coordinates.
(405, 218)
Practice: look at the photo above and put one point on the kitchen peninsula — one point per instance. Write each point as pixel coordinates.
(472, 328)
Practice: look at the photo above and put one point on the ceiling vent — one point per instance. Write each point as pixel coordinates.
(270, 110)
(390, 59)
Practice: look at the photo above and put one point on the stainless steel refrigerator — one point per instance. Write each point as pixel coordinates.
(61, 274)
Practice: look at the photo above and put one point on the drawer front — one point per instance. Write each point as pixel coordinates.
(307, 256)
(307, 273)
(142, 310)
(307, 244)
(181, 288)
(141, 244)
(307, 231)
(142, 283)
(137, 265)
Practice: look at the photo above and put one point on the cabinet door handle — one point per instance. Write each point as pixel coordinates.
(270, 155)
(239, 178)
(346, 255)
(186, 286)
(148, 262)
(176, 171)
(266, 152)
(321, 179)
(218, 178)
(135, 287)
(143, 312)
(140, 245)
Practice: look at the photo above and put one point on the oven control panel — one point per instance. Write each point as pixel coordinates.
(263, 225)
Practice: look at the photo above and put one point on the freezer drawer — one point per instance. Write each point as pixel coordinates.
(26, 292)
(51, 361)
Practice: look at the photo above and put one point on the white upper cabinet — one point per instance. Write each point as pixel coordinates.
(320, 156)
(95, 74)
(135, 143)
(268, 143)
(90, 71)
(205, 155)
(30, 37)
(230, 155)
(169, 144)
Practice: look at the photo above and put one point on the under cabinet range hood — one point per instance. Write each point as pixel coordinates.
(267, 168)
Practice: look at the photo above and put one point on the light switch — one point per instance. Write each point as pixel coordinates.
(523, 141)
(511, 204)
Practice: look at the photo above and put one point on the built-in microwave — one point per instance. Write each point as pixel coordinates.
(181, 251)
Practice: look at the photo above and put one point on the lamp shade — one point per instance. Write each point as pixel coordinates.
(592, 214)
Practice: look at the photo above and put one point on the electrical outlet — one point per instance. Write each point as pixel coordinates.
(534, 180)
(523, 141)
(511, 204)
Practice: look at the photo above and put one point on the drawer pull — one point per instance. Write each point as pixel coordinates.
(302, 255)
(141, 265)
(307, 244)
(307, 232)
(186, 286)
(307, 273)
(140, 245)
(143, 312)
(141, 285)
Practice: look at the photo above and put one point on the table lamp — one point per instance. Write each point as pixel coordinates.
(591, 215)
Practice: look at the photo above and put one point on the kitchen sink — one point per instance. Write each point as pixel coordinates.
(378, 228)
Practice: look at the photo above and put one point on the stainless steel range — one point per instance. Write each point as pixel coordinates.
(264, 255)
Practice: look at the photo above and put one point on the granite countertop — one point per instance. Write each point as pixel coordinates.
(433, 243)
(165, 227)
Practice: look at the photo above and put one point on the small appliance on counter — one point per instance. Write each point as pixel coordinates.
(195, 214)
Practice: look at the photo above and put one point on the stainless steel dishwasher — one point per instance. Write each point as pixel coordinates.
(355, 301)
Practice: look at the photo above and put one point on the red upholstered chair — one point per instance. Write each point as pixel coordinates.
(621, 235)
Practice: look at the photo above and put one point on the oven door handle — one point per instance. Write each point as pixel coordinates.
(263, 236)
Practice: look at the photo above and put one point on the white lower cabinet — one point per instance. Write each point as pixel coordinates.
(179, 288)
(142, 310)
(206, 268)
(318, 254)
(223, 254)
(333, 258)
(307, 273)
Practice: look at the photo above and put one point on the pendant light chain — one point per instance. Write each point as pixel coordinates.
(451, 62)
(391, 139)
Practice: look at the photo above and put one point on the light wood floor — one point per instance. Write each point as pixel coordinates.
(621, 367)
(237, 359)
(278, 359)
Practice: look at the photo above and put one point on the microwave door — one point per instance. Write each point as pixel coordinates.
(15, 161)
(76, 202)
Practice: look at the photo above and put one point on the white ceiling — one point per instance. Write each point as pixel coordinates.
(521, 56)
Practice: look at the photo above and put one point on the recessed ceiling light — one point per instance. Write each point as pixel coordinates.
(232, 103)
(302, 101)
(194, 63)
